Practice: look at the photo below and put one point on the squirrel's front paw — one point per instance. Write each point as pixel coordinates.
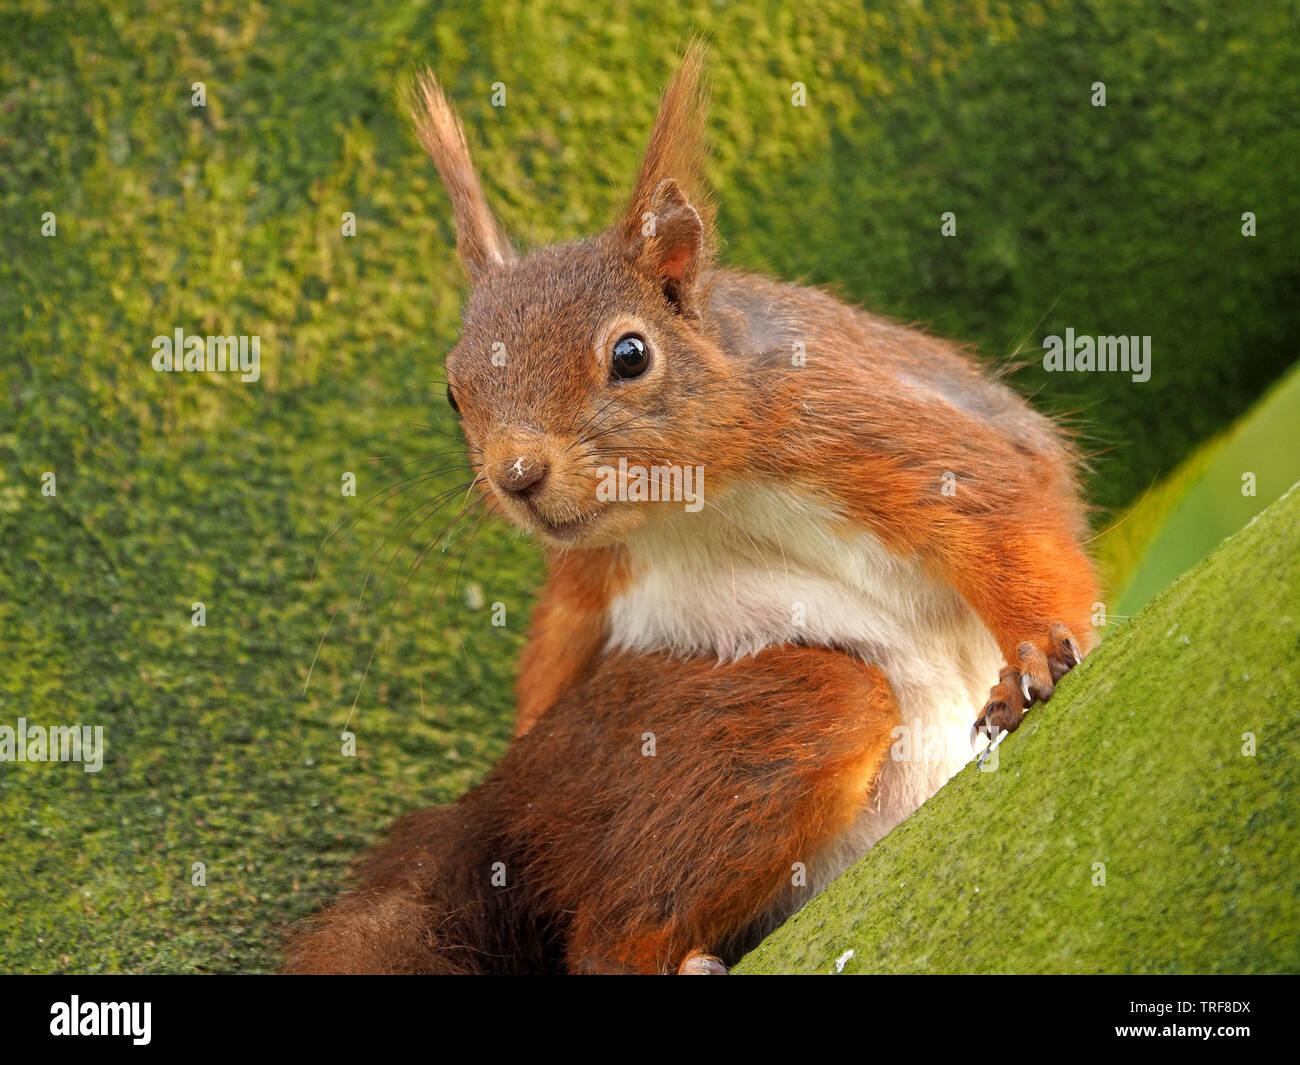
(1040, 664)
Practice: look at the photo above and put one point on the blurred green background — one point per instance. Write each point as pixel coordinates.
(225, 219)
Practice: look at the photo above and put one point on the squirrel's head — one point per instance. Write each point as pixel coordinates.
(578, 355)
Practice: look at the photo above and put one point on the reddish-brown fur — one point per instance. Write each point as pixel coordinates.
(619, 862)
(567, 633)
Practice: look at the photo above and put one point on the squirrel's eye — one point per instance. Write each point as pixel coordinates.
(451, 400)
(631, 357)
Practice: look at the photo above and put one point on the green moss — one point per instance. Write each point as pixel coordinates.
(1135, 769)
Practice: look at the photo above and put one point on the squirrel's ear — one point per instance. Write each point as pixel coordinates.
(671, 244)
(479, 241)
(667, 229)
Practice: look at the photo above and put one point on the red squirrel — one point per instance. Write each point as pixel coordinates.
(880, 535)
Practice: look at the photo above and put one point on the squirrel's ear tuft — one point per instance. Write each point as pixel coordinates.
(479, 240)
(667, 229)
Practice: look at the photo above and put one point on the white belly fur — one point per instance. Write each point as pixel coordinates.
(699, 585)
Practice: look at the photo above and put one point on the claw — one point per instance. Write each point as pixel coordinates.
(981, 728)
(1024, 687)
(1071, 649)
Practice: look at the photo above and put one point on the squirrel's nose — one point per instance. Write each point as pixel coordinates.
(520, 476)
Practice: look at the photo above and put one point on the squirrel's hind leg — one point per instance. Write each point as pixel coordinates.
(759, 767)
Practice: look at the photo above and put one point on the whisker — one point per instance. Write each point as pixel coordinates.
(360, 685)
(411, 482)
(436, 502)
(455, 588)
(307, 682)
(366, 506)
(441, 501)
(614, 428)
(455, 437)
(455, 594)
(393, 609)
(428, 456)
(578, 435)
(424, 553)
